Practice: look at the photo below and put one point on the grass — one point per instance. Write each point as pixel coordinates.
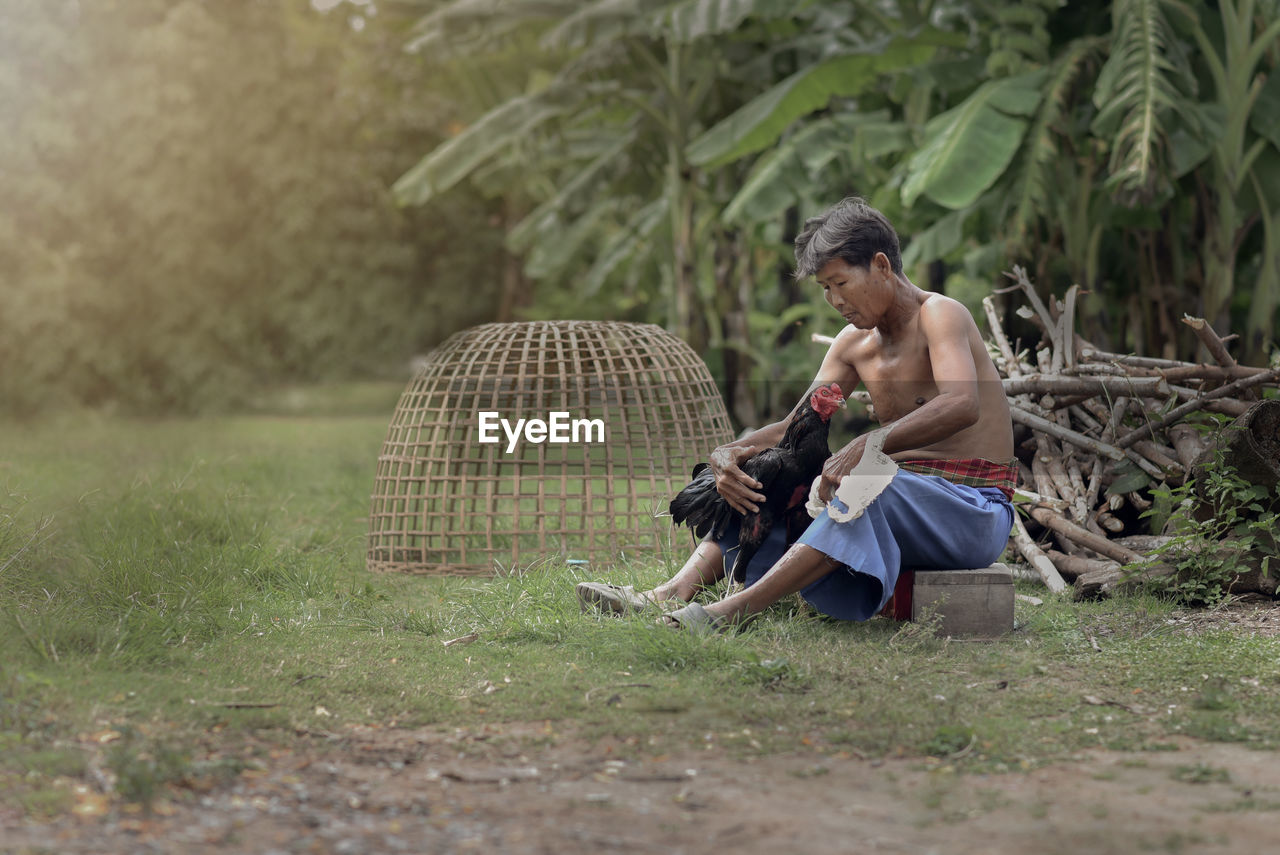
(166, 581)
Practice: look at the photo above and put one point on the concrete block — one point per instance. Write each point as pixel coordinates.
(976, 603)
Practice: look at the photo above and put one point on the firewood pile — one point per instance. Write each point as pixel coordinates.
(1095, 432)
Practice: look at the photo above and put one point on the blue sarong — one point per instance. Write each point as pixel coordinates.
(919, 521)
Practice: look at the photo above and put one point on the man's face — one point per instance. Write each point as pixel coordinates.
(860, 294)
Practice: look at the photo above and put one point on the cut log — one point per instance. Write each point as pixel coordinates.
(1083, 537)
(1044, 483)
(1112, 370)
(1103, 583)
(1136, 499)
(1036, 557)
(1161, 455)
(1072, 464)
(1217, 373)
(1073, 566)
(1040, 314)
(1085, 418)
(1044, 384)
(1250, 445)
(1144, 464)
(1066, 357)
(1162, 458)
(1050, 454)
(1091, 354)
(1095, 483)
(1109, 522)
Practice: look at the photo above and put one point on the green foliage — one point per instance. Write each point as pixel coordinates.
(967, 148)
(1139, 91)
(670, 150)
(788, 170)
(1223, 525)
(1034, 190)
(762, 120)
(1019, 37)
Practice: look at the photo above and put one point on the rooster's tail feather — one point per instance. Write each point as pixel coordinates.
(700, 507)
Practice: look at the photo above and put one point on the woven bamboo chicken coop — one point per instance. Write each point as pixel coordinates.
(457, 492)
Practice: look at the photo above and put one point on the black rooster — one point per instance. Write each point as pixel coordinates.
(785, 473)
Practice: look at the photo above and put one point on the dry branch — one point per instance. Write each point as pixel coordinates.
(1054, 429)
(1178, 412)
(1083, 537)
(1168, 366)
(1040, 499)
(1002, 341)
(1036, 557)
(1229, 406)
(1048, 384)
(1211, 341)
(1073, 566)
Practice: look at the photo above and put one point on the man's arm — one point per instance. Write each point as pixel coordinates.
(945, 324)
(735, 486)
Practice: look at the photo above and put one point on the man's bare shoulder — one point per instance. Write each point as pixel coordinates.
(850, 337)
(940, 307)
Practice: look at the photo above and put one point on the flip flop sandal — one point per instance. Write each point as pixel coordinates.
(619, 599)
(695, 618)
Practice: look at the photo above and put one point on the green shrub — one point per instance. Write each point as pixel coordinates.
(1224, 527)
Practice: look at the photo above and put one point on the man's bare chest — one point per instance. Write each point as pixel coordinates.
(899, 380)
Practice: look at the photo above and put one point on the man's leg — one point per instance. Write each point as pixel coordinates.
(704, 567)
(799, 568)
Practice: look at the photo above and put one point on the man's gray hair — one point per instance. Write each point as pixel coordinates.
(851, 230)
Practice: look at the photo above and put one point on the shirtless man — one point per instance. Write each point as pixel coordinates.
(933, 386)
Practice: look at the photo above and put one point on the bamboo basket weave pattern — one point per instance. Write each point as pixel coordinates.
(445, 503)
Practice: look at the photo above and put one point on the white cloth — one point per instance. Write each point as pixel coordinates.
(861, 486)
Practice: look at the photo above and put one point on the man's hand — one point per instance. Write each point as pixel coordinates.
(735, 486)
(839, 465)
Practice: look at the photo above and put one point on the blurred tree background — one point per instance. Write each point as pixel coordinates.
(196, 203)
(197, 193)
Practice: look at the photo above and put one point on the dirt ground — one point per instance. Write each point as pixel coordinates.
(391, 791)
(372, 790)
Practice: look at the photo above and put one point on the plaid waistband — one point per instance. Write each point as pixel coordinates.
(970, 471)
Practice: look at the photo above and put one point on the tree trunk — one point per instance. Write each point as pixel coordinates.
(1220, 261)
(517, 289)
(1250, 445)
